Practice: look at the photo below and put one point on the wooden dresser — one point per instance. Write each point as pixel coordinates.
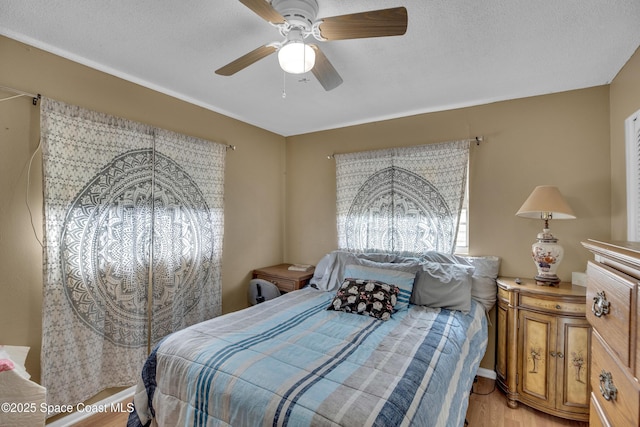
(612, 296)
(542, 352)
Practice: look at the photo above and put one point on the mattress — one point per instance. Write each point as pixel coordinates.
(290, 361)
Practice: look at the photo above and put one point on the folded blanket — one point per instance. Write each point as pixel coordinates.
(23, 402)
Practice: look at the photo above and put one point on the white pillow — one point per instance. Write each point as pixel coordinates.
(321, 269)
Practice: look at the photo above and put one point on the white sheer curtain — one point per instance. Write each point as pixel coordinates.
(401, 200)
(133, 245)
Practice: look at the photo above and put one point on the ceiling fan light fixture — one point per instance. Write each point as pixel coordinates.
(296, 57)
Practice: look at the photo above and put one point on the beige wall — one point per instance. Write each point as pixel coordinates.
(254, 180)
(625, 100)
(559, 139)
(280, 193)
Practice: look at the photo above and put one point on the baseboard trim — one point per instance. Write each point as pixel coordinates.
(486, 373)
(75, 417)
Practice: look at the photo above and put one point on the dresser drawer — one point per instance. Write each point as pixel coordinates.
(596, 416)
(551, 304)
(503, 295)
(284, 284)
(617, 289)
(624, 409)
(637, 329)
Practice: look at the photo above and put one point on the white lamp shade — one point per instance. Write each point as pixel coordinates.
(546, 202)
(296, 57)
(546, 199)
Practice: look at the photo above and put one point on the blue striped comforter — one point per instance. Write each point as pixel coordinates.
(290, 362)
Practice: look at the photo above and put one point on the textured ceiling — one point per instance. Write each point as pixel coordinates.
(455, 53)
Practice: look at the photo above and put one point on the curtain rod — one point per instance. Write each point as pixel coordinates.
(476, 139)
(35, 97)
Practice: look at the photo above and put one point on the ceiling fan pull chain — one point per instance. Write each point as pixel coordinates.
(284, 85)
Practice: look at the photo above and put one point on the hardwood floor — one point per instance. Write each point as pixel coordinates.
(487, 408)
(105, 419)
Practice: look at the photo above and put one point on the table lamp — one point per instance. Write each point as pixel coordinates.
(546, 202)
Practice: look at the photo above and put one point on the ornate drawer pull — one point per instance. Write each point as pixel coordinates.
(607, 389)
(600, 305)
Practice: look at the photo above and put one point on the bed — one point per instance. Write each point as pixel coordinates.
(307, 359)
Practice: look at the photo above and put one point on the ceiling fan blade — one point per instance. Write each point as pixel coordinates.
(264, 10)
(324, 71)
(246, 60)
(376, 23)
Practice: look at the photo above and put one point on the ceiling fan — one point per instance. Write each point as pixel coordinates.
(296, 20)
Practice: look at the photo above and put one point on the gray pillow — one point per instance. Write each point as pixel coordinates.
(483, 284)
(441, 285)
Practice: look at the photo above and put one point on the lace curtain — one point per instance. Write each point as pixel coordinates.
(401, 200)
(133, 245)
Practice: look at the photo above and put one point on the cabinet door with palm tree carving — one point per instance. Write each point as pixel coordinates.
(537, 340)
(574, 341)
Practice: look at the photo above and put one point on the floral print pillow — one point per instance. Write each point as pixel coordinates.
(366, 297)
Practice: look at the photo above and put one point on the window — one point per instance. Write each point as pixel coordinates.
(462, 240)
(401, 200)
(632, 128)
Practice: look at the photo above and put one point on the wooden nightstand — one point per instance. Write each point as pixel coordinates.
(543, 347)
(286, 280)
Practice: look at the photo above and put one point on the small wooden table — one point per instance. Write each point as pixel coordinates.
(286, 280)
